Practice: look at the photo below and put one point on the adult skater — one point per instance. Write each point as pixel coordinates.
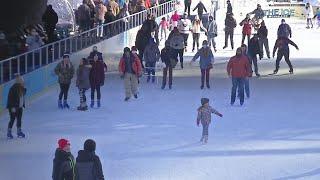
(212, 32)
(282, 45)
(141, 42)
(151, 56)
(258, 13)
(284, 30)
(317, 16)
(206, 61)
(200, 7)
(96, 80)
(130, 70)
(83, 82)
(63, 162)
(238, 70)
(184, 26)
(204, 116)
(308, 12)
(254, 50)
(263, 39)
(166, 57)
(229, 7)
(246, 80)
(177, 45)
(196, 30)
(88, 163)
(50, 19)
(187, 5)
(65, 71)
(230, 24)
(246, 29)
(15, 105)
(95, 52)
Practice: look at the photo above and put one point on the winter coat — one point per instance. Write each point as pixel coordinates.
(50, 18)
(177, 41)
(212, 29)
(205, 61)
(254, 47)
(83, 13)
(63, 166)
(109, 17)
(136, 65)
(239, 67)
(166, 56)
(83, 77)
(97, 73)
(150, 25)
(175, 17)
(34, 42)
(204, 114)
(142, 40)
(200, 6)
(282, 44)
(247, 26)
(184, 26)
(114, 7)
(229, 9)
(16, 96)
(230, 23)
(196, 27)
(263, 32)
(88, 166)
(258, 13)
(93, 53)
(64, 73)
(151, 53)
(284, 30)
(100, 12)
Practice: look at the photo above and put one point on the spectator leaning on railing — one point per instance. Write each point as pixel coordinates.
(34, 41)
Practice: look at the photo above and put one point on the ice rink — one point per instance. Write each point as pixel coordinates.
(274, 136)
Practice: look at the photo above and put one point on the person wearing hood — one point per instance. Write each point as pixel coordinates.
(50, 19)
(151, 56)
(196, 30)
(254, 50)
(263, 39)
(15, 105)
(238, 69)
(212, 32)
(88, 164)
(200, 6)
(130, 69)
(230, 24)
(63, 162)
(83, 82)
(206, 63)
(166, 58)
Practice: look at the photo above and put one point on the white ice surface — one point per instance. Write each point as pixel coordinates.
(274, 136)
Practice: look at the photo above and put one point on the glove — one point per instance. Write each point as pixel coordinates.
(13, 110)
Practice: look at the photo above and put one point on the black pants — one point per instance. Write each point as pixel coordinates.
(254, 60)
(15, 115)
(280, 54)
(196, 37)
(244, 37)
(185, 37)
(200, 14)
(50, 33)
(187, 8)
(93, 90)
(64, 89)
(227, 35)
(140, 55)
(165, 73)
(178, 52)
(205, 75)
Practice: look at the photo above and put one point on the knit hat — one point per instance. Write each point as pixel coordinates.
(126, 49)
(66, 55)
(204, 101)
(63, 143)
(89, 145)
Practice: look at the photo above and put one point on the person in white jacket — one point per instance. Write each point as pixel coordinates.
(196, 30)
(184, 26)
(309, 15)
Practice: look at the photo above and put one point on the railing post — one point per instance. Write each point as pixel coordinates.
(25, 63)
(10, 70)
(47, 57)
(33, 61)
(59, 47)
(18, 64)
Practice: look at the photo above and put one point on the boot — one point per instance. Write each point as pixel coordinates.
(65, 104)
(153, 79)
(9, 134)
(202, 86)
(136, 96)
(98, 103)
(20, 134)
(170, 86)
(275, 71)
(60, 106)
(126, 99)
(163, 86)
(148, 79)
(208, 85)
(92, 104)
(202, 138)
(291, 71)
(257, 74)
(206, 139)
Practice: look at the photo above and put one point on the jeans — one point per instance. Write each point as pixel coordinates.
(185, 37)
(246, 88)
(237, 83)
(95, 88)
(178, 52)
(165, 73)
(264, 42)
(254, 60)
(211, 41)
(280, 54)
(64, 89)
(187, 8)
(150, 67)
(195, 37)
(15, 115)
(244, 37)
(309, 21)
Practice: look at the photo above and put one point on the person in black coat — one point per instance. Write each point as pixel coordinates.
(166, 57)
(15, 105)
(263, 39)
(63, 162)
(141, 42)
(254, 50)
(200, 6)
(229, 7)
(88, 163)
(50, 19)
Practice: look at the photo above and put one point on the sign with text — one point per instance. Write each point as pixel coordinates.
(280, 12)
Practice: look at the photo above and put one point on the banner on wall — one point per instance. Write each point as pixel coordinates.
(280, 12)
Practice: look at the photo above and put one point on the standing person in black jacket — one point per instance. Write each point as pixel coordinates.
(15, 105)
(141, 42)
(263, 39)
(229, 7)
(187, 5)
(63, 162)
(166, 57)
(230, 24)
(50, 19)
(88, 163)
(253, 50)
(200, 6)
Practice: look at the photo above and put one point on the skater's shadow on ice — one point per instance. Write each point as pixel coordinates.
(303, 175)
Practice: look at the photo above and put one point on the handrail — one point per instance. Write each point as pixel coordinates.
(51, 52)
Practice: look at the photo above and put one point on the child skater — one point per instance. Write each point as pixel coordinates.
(204, 116)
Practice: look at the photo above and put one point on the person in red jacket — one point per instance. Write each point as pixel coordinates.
(96, 79)
(130, 69)
(238, 69)
(246, 29)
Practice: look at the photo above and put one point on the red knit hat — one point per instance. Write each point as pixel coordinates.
(63, 143)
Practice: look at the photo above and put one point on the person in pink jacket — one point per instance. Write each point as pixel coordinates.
(174, 20)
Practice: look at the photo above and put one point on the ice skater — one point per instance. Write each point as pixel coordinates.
(83, 82)
(282, 45)
(204, 116)
(309, 15)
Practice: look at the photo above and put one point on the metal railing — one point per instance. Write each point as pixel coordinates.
(32, 60)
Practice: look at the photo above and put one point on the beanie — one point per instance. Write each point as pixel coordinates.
(204, 101)
(89, 145)
(63, 143)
